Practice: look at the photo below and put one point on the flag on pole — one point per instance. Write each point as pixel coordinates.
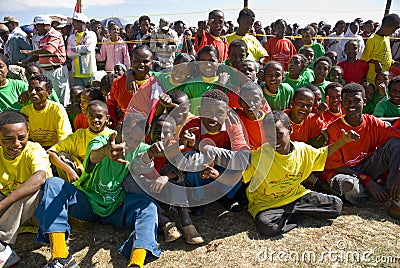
(76, 10)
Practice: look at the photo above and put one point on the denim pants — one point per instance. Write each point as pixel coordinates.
(194, 180)
(384, 158)
(62, 199)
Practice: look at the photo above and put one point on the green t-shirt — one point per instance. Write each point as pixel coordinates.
(280, 100)
(387, 109)
(322, 87)
(369, 108)
(195, 90)
(164, 79)
(305, 78)
(319, 51)
(103, 185)
(9, 94)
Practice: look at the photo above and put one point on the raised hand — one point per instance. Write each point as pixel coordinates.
(350, 136)
(166, 101)
(188, 139)
(115, 151)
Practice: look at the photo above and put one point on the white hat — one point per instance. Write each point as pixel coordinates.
(98, 75)
(42, 19)
(81, 17)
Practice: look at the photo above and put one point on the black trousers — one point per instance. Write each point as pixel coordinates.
(275, 221)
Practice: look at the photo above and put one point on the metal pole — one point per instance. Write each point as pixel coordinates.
(246, 3)
(80, 6)
(388, 4)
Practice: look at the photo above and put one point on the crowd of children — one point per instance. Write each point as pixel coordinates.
(264, 126)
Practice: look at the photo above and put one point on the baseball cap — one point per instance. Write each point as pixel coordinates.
(3, 28)
(98, 75)
(81, 17)
(164, 23)
(9, 19)
(42, 19)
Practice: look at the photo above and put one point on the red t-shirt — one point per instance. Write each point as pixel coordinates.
(80, 121)
(328, 117)
(280, 50)
(234, 102)
(397, 124)
(253, 130)
(373, 132)
(232, 138)
(310, 127)
(354, 72)
(208, 40)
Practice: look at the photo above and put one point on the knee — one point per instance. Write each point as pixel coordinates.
(267, 228)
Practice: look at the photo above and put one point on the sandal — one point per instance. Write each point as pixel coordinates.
(171, 233)
(191, 235)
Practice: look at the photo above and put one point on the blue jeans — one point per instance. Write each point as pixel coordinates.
(194, 180)
(62, 199)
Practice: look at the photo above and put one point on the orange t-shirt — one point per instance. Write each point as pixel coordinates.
(310, 127)
(80, 121)
(253, 130)
(374, 133)
(280, 50)
(209, 40)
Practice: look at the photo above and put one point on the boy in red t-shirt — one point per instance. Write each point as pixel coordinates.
(216, 125)
(354, 170)
(307, 126)
(354, 70)
(215, 23)
(333, 100)
(251, 114)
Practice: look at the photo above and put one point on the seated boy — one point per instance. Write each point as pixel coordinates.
(390, 108)
(252, 100)
(277, 200)
(215, 124)
(98, 196)
(48, 120)
(355, 170)
(68, 155)
(306, 126)
(24, 168)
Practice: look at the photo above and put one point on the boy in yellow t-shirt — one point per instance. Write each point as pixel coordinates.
(48, 120)
(68, 155)
(24, 168)
(277, 200)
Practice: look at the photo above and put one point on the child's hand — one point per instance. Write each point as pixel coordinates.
(158, 184)
(166, 101)
(156, 150)
(350, 136)
(72, 175)
(188, 139)
(114, 151)
(381, 89)
(223, 79)
(131, 86)
(23, 98)
(209, 171)
(322, 107)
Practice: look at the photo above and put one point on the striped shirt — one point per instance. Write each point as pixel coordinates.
(53, 42)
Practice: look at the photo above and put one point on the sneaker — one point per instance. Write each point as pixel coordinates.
(231, 204)
(8, 257)
(394, 210)
(68, 262)
(171, 233)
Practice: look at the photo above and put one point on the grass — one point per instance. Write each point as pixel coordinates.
(232, 241)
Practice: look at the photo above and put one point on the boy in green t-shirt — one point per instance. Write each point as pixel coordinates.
(390, 108)
(98, 196)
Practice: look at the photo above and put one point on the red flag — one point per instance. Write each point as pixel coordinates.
(76, 10)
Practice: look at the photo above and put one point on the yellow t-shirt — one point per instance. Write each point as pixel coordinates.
(16, 171)
(275, 178)
(49, 125)
(377, 48)
(76, 143)
(256, 50)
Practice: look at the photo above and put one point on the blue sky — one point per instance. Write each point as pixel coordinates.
(190, 11)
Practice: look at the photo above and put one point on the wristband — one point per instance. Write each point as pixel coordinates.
(364, 179)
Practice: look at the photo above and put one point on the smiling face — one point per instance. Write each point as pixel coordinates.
(334, 99)
(208, 63)
(251, 101)
(302, 104)
(13, 139)
(97, 117)
(353, 104)
(295, 66)
(249, 69)
(394, 93)
(213, 114)
(382, 79)
(216, 23)
(38, 94)
(273, 76)
(180, 113)
(321, 70)
(142, 61)
(282, 137)
(336, 75)
(180, 72)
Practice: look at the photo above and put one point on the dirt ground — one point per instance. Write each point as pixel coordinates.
(361, 237)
